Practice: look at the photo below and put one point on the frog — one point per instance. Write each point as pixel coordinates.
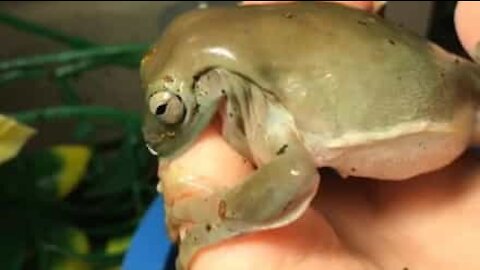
(299, 87)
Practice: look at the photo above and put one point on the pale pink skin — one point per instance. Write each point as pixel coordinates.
(430, 222)
(467, 22)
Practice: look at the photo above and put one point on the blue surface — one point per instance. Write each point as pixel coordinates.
(150, 249)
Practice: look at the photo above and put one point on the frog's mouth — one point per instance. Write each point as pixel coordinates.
(220, 118)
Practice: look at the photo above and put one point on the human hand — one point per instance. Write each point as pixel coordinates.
(430, 222)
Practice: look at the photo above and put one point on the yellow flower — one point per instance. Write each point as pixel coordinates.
(75, 159)
(13, 136)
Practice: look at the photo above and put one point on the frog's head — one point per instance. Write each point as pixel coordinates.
(176, 114)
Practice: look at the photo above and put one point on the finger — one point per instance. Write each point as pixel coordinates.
(363, 5)
(467, 23)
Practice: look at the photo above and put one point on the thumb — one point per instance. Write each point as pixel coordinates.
(467, 23)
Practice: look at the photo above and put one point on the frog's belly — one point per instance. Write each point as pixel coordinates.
(402, 152)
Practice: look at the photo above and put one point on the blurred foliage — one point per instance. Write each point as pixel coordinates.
(75, 205)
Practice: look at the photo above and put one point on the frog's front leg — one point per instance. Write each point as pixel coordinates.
(275, 195)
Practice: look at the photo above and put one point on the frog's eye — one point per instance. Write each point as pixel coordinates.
(167, 107)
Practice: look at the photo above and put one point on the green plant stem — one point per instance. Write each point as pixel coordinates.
(64, 57)
(13, 75)
(76, 68)
(44, 32)
(55, 35)
(69, 95)
(131, 121)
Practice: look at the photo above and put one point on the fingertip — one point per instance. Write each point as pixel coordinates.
(467, 23)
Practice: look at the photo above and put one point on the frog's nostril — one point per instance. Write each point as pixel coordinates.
(161, 109)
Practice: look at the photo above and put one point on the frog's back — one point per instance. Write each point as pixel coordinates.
(347, 77)
(320, 59)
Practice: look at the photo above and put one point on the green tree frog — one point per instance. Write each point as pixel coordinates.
(302, 86)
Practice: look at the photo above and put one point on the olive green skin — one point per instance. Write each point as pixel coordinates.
(305, 85)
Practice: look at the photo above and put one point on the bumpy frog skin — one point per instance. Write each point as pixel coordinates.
(302, 86)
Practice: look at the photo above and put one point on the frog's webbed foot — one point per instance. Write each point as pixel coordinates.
(275, 195)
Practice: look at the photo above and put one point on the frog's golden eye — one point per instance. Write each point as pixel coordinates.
(168, 107)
